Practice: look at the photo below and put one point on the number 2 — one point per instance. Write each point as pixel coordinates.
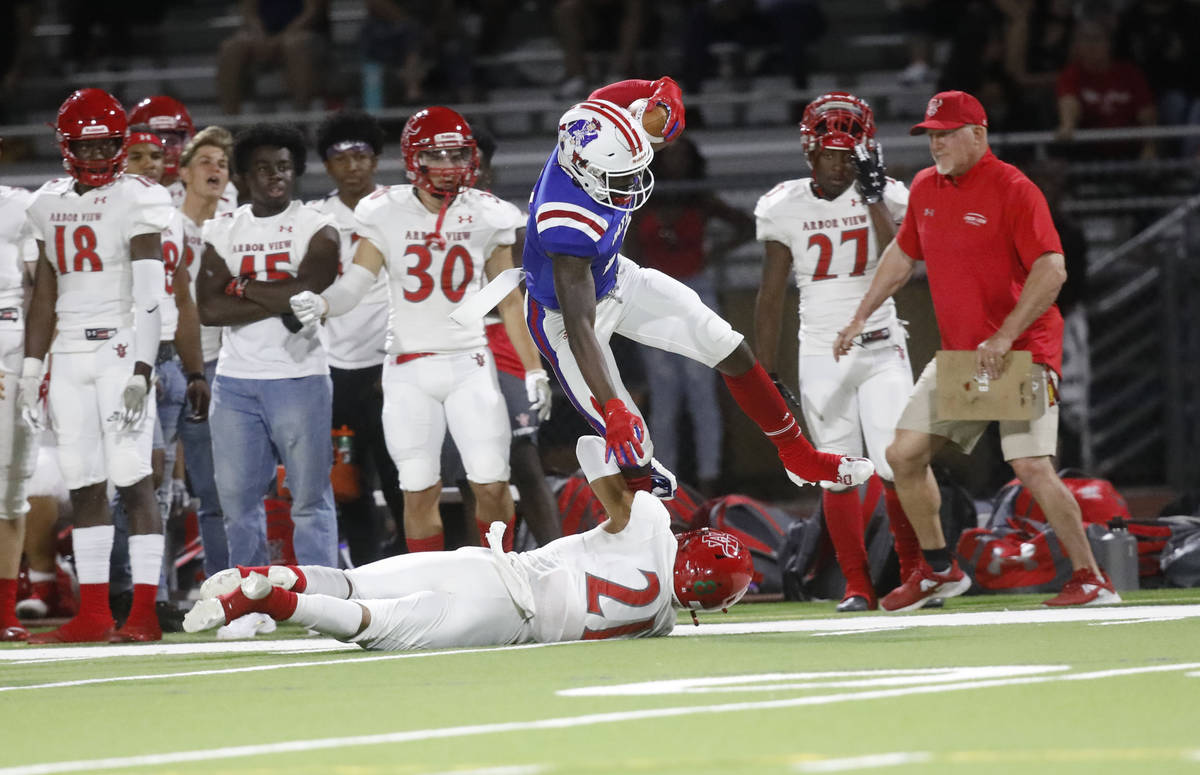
(825, 245)
(598, 587)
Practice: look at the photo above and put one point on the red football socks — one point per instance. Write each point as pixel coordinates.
(93, 623)
(843, 518)
(434, 543)
(8, 604)
(908, 548)
(760, 400)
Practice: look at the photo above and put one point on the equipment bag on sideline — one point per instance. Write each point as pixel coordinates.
(761, 529)
(1180, 561)
(1023, 555)
(1098, 499)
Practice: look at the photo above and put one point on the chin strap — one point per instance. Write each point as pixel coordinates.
(435, 239)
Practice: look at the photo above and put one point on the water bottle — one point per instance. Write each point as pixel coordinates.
(1118, 555)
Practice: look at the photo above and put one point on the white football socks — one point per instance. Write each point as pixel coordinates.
(329, 615)
(93, 546)
(320, 580)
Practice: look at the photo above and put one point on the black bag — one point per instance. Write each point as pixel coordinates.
(1180, 561)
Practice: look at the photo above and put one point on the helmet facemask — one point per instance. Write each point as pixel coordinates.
(445, 170)
(837, 120)
(94, 161)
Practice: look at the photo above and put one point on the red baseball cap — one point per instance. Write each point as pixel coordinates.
(950, 110)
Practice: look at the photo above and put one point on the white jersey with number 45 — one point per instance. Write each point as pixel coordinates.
(86, 238)
(426, 281)
(835, 252)
(268, 248)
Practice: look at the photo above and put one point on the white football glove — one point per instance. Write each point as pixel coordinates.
(309, 307)
(134, 399)
(537, 390)
(29, 394)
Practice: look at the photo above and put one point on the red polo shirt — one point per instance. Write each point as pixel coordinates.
(978, 235)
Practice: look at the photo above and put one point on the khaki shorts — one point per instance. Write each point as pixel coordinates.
(1018, 438)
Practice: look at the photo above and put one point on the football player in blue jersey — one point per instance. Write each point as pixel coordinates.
(581, 291)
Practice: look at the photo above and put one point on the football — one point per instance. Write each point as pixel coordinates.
(654, 120)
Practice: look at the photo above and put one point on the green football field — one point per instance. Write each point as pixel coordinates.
(988, 685)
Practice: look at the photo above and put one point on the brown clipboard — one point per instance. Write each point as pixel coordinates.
(963, 394)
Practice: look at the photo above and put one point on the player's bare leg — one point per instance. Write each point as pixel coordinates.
(1060, 507)
(494, 503)
(93, 539)
(423, 519)
(145, 559)
(757, 396)
(909, 456)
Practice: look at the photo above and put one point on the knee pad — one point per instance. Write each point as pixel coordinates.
(418, 474)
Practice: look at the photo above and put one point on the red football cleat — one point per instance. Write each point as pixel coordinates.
(137, 633)
(923, 585)
(13, 634)
(1086, 588)
(79, 630)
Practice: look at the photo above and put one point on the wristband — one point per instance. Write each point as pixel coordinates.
(31, 367)
(195, 375)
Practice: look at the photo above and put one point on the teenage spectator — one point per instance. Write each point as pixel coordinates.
(271, 394)
(417, 38)
(1096, 91)
(18, 442)
(1163, 38)
(587, 26)
(1037, 38)
(204, 179)
(670, 234)
(293, 33)
(96, 305)
(993, 276)
(349, 144)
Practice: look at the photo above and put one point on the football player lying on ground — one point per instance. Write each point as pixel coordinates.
(621, 579)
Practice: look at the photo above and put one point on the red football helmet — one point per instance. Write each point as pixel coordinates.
(91, 114)
(712, 569)
(442, 130)
(837, 120)
(169, 119)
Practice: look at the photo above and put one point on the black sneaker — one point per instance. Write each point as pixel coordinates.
(170, 617)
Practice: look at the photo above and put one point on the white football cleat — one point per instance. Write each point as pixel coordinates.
(205, 615)
(280, 576)
(851, 471)
(220, 583)
(246, 627)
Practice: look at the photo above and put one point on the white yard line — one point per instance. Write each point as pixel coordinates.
(870, 761)
(566, 722)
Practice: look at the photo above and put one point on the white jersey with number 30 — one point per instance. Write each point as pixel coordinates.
(835, 252)
(267, 249)
(86, 238)
(426, 281)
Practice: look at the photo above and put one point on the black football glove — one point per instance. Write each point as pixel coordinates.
(784, 391)
(872, 174)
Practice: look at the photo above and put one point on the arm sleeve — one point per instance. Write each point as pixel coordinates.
(345, 294)
(624, 92)
(149, 279)
(1030, 224)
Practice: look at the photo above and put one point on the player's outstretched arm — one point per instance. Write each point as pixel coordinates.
(346, 292)
(663, 92)
(216, 307)
(317, 271)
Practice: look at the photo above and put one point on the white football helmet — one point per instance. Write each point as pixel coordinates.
(607, 152)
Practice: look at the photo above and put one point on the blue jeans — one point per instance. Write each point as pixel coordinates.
(254, 422)
(197, 456)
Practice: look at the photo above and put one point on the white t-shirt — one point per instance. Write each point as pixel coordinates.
(354, 340)
(16, 248)
(210, 336)
(835, 253)
(426, 282)
(226, 204)
(267, 248)
(86, 239)
(598, 584)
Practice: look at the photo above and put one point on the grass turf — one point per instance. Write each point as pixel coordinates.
(502, 712)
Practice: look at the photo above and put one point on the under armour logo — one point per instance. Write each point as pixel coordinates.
(285, 228)
(928, 211)
(479, 359)
(120, 348)
(465, 218)
(100, 200)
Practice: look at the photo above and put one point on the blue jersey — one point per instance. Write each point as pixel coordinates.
(564, 219)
